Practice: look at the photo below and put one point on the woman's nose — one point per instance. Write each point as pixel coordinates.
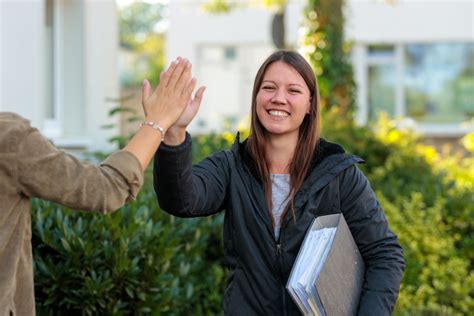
(279, 96)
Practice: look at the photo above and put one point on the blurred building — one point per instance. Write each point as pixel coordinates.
(412, 59)
(58, 67)
(58, 62)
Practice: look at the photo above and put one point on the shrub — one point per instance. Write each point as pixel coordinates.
(437, 280)
(137, 260)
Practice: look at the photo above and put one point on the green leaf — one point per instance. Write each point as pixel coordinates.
(65, 244)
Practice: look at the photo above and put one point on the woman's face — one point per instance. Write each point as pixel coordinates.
(283, 99)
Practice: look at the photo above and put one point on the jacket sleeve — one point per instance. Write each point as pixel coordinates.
(185, 190)
(45, 172)
(383, 255)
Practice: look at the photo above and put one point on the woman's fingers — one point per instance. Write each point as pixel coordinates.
(146, 92)
(177, 73)
(188, 90)
(166, 75)
(163, 75)
(195, 103)
(198, 95)
(185, 77)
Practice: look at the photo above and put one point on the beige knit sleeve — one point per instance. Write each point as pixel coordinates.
(49, 173)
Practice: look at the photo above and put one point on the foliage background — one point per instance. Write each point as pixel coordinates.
(142, 42)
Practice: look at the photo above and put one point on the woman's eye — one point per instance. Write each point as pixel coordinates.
(295, 91)
(269, 88)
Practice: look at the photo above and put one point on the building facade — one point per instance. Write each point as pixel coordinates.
(58, 68)
(411, 59)
(58, 62)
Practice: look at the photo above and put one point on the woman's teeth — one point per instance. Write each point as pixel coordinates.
(278, 113)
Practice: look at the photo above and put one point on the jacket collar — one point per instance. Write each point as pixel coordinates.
(328, 161)
(326, 153)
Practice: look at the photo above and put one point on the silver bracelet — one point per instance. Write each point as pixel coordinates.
(155, 126)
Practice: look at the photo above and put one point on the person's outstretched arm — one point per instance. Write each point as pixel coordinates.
(46, 172)
(162, 107)
(182, 189)
(185, 190)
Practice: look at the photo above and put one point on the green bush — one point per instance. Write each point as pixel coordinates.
(137, 260)
(438, 280)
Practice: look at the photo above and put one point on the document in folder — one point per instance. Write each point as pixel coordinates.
(327, 276)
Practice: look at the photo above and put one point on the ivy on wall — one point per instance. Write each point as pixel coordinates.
(323, 44)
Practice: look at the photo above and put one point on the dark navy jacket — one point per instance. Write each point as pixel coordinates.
(259, 264)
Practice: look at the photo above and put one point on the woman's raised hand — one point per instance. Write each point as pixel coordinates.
(171, 97)
(190, 110)
(177, 132)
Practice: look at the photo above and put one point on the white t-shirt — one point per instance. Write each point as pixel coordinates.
(280, 190)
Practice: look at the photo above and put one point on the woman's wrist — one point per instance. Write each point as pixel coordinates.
(161, 121)
(175, 135)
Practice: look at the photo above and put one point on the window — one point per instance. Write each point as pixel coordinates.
(230, 53)
(381, 80)
(381, 90)
(219, 54)
(431, 83)
(439, 82)
(381, 50)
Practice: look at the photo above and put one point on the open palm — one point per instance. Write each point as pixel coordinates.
(191, 110)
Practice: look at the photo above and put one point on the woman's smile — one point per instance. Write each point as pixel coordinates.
(278, 114)
(283, 99)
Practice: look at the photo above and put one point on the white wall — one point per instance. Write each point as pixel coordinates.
(410, 21)
(70, 71)
(100, 74)
(85, 52)
(189, 26)
(22, 38)
(366, 20)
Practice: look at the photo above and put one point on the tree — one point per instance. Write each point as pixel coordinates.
(324, 45)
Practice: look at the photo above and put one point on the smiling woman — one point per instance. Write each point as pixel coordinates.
(283, 100)
(283, 167)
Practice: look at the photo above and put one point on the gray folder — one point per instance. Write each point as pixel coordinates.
(334, 288)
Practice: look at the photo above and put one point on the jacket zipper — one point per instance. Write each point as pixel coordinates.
(280, 263)
(279, 250)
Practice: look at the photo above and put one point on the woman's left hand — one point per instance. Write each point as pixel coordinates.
(191, 109)
(177, 132)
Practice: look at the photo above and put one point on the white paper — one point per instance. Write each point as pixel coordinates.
(308, 265)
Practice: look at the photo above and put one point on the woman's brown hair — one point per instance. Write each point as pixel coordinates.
(309, 131)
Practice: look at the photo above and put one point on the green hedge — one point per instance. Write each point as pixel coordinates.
(139, 260)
